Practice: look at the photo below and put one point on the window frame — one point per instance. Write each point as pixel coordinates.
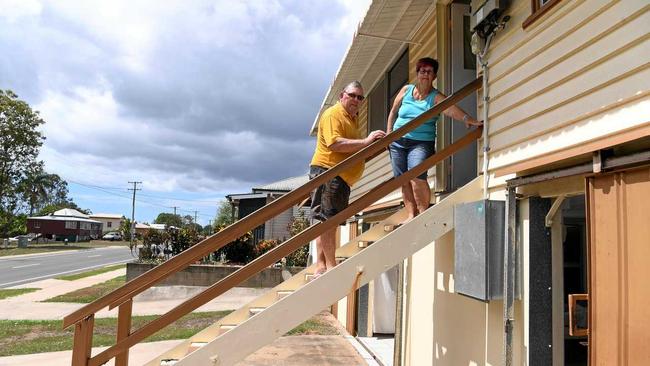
(537, 11)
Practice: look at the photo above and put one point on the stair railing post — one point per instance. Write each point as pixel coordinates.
(123, 330)
(83, 340)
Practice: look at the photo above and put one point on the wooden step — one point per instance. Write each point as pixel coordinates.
(284, 293)
(309, 276)
(341, 259)
(226, 327)
(194, 346)
(390, 227)
(255, 310)
(364, 243)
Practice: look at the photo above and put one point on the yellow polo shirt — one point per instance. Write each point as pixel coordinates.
(334, 123)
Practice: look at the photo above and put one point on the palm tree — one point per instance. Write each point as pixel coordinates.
(36, 186)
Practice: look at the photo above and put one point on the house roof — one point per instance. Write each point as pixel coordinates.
(106, 216)
(386, 28)
(63, 218)
(69, 212)
(287, 184)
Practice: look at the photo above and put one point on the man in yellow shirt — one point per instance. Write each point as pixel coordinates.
(338, 138)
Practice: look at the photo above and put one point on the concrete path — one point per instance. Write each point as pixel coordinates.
(290, 351)
(31, 307)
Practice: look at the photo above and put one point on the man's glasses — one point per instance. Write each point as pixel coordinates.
(355, 96)
(426, 71)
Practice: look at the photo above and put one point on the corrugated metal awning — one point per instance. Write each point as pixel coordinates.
(386, 28)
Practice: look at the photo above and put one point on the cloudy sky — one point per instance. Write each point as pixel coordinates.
(196, 99)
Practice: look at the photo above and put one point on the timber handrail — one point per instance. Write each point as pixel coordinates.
(279, 252)
(234, 231)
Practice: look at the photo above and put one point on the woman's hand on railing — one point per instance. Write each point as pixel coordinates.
(471, 121)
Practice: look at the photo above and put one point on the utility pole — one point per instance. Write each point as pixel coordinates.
(175, 207)
(134, 189)
(195, 212)
(210, 227)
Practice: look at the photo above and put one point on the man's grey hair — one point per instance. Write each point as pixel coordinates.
(353, 85)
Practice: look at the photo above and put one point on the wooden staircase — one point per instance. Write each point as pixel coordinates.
(295, 300)
(273, 314)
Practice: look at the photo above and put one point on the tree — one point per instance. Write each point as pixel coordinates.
(20, 141)
(224, 216)
(36, 186)
(169, 219)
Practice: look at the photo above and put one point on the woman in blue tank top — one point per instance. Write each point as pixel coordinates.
(414, 147)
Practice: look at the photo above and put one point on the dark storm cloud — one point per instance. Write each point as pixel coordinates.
(212, 91)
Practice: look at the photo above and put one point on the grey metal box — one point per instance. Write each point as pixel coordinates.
(478, 256)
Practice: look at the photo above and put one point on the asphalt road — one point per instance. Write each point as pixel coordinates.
(23, 269)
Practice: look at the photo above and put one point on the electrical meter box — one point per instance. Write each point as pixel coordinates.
(479, 242)
(485, 10)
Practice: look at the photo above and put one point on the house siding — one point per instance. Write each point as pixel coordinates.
(574, 76)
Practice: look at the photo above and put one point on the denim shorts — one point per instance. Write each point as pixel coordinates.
(405, 154)
(329, 198)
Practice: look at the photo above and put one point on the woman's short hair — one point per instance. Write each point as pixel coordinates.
(427, 61)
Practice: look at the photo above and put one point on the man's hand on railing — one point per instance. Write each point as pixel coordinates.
(374, 135)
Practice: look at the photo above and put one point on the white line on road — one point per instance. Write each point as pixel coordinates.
(93, 256)
(26, 265)
(62, 273)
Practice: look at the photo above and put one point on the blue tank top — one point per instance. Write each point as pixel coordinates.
(412, 108)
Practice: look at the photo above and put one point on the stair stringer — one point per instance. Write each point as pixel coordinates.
(290, 311)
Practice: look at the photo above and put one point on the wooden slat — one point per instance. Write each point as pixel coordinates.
(123, 330)
(281, 251)
(83, 335)
(234, 231)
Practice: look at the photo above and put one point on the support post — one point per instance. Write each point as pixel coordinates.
(83, 340)
(509, 275)
(123, 330)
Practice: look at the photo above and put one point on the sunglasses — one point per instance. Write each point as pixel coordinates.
(426, 71)
(355, 96)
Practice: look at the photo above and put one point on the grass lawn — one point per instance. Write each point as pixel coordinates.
(5, 293)
(91, 273)
(20, 337)
(320, 324)
(90, 294)
(57, 247)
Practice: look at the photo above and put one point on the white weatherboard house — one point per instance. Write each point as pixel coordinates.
(536, 250)
(110, 222)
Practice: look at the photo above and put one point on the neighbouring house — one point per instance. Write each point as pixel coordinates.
(277, 228)
(65, 224)
(143, 228)
(111, 222)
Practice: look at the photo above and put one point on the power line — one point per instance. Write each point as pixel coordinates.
(94, 186)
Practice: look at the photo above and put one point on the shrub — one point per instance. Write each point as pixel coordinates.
(264, 246)
(239, 251)
(296, 225)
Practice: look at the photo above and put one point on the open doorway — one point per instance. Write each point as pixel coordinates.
(574, 274)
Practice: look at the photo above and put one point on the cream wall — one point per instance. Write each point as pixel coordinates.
(577, 75)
